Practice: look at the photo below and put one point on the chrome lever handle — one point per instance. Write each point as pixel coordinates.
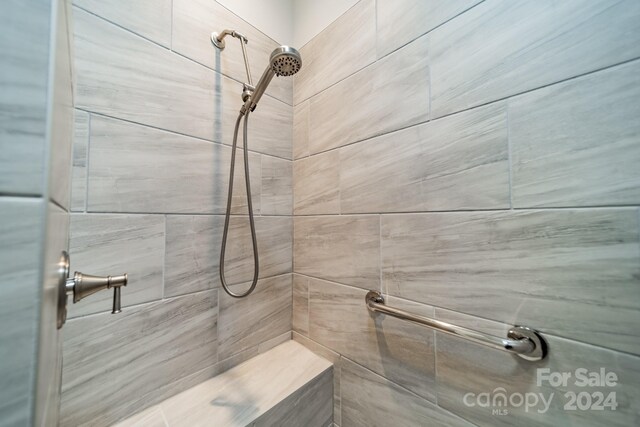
(82, 285)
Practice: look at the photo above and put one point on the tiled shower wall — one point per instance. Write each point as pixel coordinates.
(476, 161)
(155, 109)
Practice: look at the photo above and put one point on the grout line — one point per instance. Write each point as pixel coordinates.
(86, 178)
(20, 195)
(460, 211)
(164, 258)
(164, 418)
(382, 288)
(171, 29)
(509, 154)
(95, 113)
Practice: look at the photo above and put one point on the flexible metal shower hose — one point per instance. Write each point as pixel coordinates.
(227, 216)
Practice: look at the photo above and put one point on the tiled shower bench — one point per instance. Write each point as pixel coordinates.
(286, 386)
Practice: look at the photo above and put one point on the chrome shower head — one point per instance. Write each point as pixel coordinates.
(284, 61)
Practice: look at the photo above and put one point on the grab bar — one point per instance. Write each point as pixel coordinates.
(521, 340)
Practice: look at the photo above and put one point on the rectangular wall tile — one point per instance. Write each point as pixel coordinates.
(49, 353)
(61, 113)
(122, 75)
(277, 187)
(465, 367)
(192, 251)
(270, 125)
(504, 48)
(343, 249)
(397, 349)
(310, 405)
(401, 21)
(578, 143)
(135, 168)
(457, 162)
(264, 314)
(300, 318)
(149, 18)
(112, 361)
(281, 372)
(332, 357)
(573, 273)
(79, 160)
(316, 187)
(327, 59)
(336, 120)
(24, 71)
(301, 130)
(384, 401)
(193, 22)
(105, 245)
(21, 227)
(151, 417)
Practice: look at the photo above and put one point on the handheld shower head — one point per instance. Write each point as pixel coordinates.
(284, 61)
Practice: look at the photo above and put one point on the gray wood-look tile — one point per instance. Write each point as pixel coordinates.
(193, 22)
(61, 114)
(332, 357)
(370, 400)
(192, 251)
(300, 317)
(457, 162)
(390, 94)
(135, 168)
(577, 143)
(270, 125)
(79, 159)
(328, 58)
(24, 71)
(401, 21)
(122, 75)
(243, 394)
(149, 18)
(264, 314)
(573, 273)
(343, 249)
(301, 130)
(21, 227)
(151, 417)
(111, 362)
(112, 244)
(464, 367)
(310, 405)
(277, 186)
(503, 48)
(399, 350)
(316, 188)
(49, 368)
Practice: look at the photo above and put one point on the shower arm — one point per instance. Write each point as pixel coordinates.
(218, 41)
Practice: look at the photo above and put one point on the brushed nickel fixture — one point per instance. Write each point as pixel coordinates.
(82, 285)
(284, 61)
(521, 340)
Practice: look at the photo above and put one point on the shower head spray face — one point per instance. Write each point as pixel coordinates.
(284, 61)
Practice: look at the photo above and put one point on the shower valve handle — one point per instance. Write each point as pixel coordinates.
(82, 285)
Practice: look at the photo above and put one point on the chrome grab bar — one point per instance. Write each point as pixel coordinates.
(521, 340)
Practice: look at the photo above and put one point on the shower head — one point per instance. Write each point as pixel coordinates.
(284, 61)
